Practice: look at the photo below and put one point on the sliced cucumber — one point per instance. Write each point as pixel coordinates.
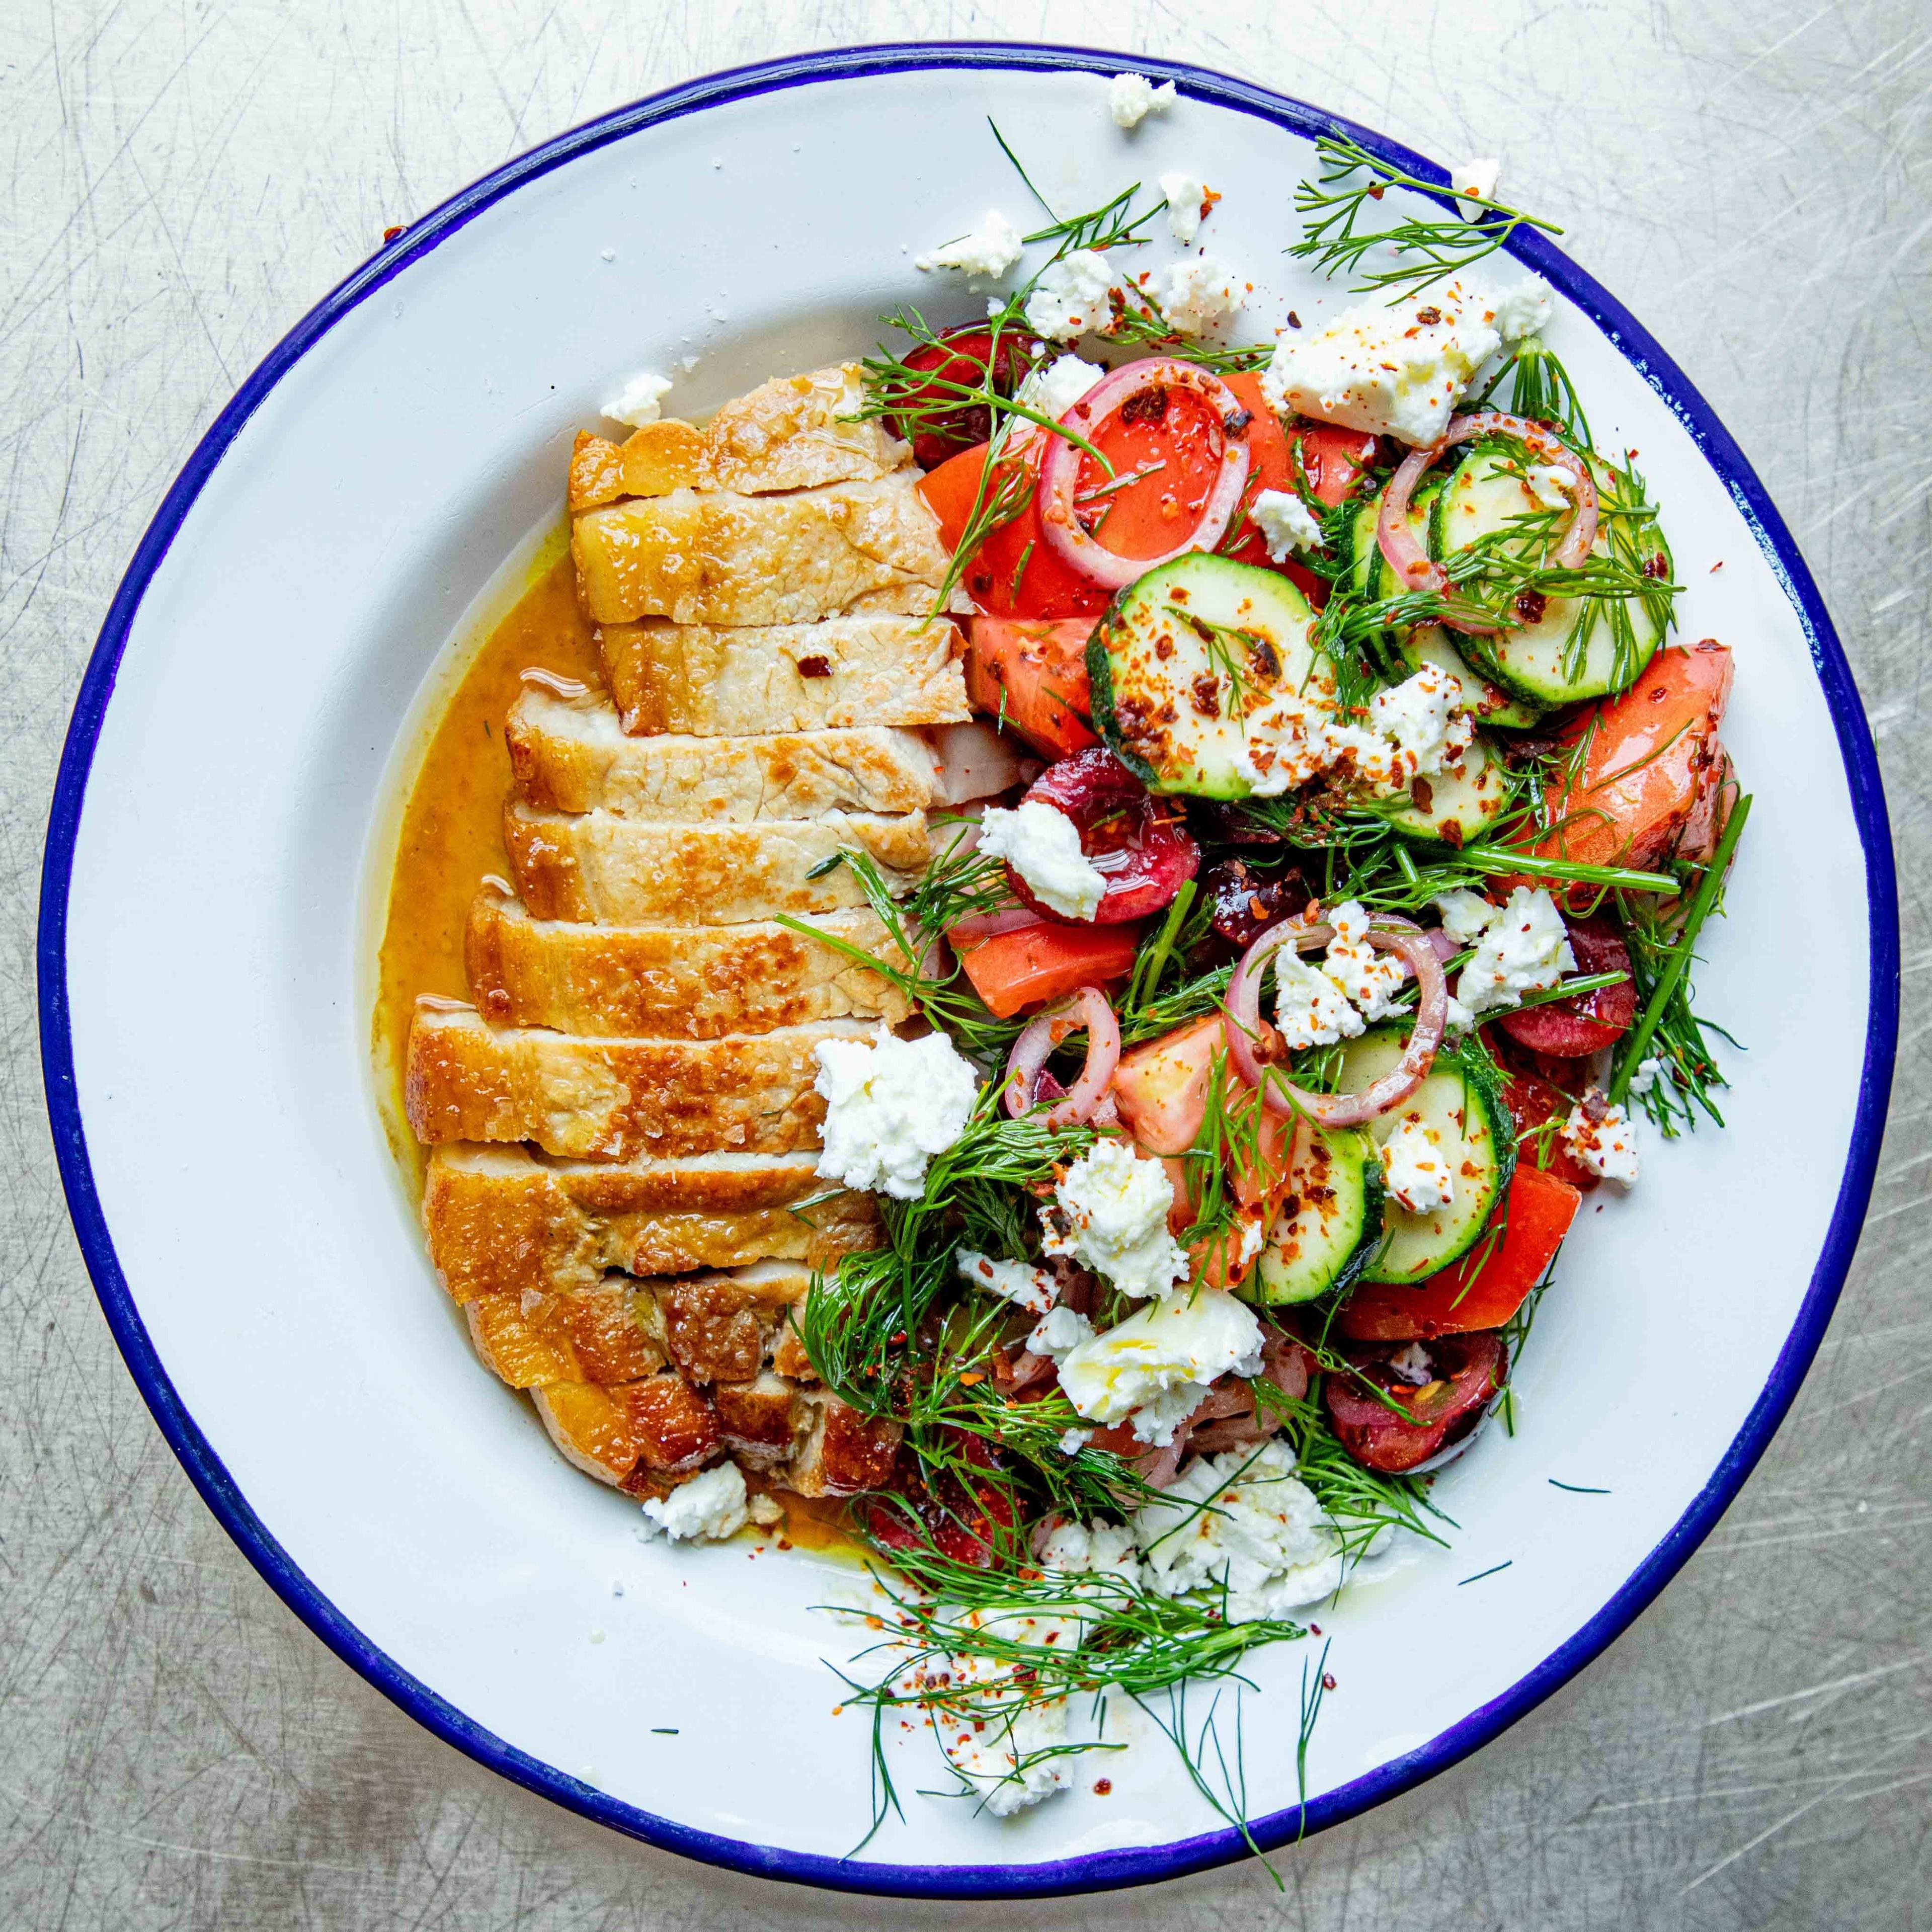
(1429, 643)
(1330, 1224)
(1421, 509)
(1362, 554)
(1453, 807)
(1577, 647)
(1180, 659)
(1462, 1101)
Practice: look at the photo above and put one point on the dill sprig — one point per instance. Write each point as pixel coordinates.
(1428, 250)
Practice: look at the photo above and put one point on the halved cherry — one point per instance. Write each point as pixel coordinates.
(1568, 1029)
(1439, 1389)
(961, 356)
(1138, 843)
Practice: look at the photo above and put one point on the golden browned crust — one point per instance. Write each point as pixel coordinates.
(793, 433)
(612, 1099)
(848, 671)
(680, 982)
(530, 1339)
(572, 755)
(500, 1221)
(630, 871)
(718, 557)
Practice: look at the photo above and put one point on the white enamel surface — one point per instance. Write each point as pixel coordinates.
(220, 1041)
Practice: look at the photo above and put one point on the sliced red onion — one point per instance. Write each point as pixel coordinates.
(1060, 471)
(970, 931)
(1416, 569)
(1242, 1023)
(1086, 1008)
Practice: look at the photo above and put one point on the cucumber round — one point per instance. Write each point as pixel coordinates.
(1462, 1099)
(1579, 647)
(1330, 1223)
(1453, 807)
(1430, 643)
(1183, 655)
(1421, 510)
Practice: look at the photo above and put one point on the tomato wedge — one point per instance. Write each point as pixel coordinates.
(1013, 573)
(1483, 1292)
(1645, 765)
(961, 357)
(1161, 1088)
(1031, 678)
(1034, 963)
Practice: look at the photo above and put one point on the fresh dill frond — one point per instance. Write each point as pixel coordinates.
(1426, 249)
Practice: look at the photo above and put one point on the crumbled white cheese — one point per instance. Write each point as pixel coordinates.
(767, 1511)
(1285, 522)
(1370, 979)
(1309, 1008)
(1098, 1549)
(1422, 716)
(1157, 1365)
(1478, 178)
(1466, 915)
(1526, 950)
(991, 249)
(1043, 845)
(1073, 1440)
(1244, 1522)
(1551, 484)
(1071, 297)
(992, 1753)
(890, 1105)
(1185, 194)
(1131, 97)
(1024, 1286)
(1457, 1018)
(1056, 386)
(1603, 1138)
(1059, 1332)
(1645, 1078)
(1197, 292)
(711, 1505)
(1524, 309)
(1109, 1213)
(1414, 1167)
(636, 402)
(1398, 371)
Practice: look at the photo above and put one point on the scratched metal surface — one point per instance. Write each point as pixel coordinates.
(185, 177)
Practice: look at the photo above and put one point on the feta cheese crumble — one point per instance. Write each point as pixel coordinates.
(1071, 297)
(1525, 948)
(1059, 1332)
(1197, 292)
(1466, 915)
(1370, 979)
(1423, 717)
(1131, 97)
(991, 249)
(1025, 1287)
(1109, 1213)
(1309, 1008)
(1399, 371)
(1603, 1137)
(1415, 1168)
(1043, 845)
(1645, 1078)
(1095, 1549)
(636, 402)
(1551, 484)
(1285, 522)
(1055, 387)
(712, 1504)
(1242, 1522)
(1000, 1754)
(1186, 198)
(1478, 178)
(1155, 1366)
(889, 1107)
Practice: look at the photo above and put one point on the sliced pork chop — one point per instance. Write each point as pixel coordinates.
(846, 672)
(678, 981)
(631, 871)
(718, 557)
(501, 1220)
(793, 433)
(614, 1099)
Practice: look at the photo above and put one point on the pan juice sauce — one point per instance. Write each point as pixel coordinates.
(452, 833)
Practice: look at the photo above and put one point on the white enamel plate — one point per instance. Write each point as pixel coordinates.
(220, 833)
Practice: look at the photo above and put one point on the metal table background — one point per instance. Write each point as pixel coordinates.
(185, 177)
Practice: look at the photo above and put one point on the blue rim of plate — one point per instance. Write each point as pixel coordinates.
(1096, 1871)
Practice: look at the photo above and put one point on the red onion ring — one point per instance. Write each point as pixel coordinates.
(1060, 472)
(1242, 1024)
(978, 926)
(1086, 1007)
(1416, 569)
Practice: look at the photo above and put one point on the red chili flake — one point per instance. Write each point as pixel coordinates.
(1530, 605)
(1102, 1786)
(1328, 1680)
(1718, 566)
(1656, 566)
(390, 234)
(815, 667)
(1376, 193)
(1315, 1630)
(1293, 320)
(1428, 317)
(1148, 405)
